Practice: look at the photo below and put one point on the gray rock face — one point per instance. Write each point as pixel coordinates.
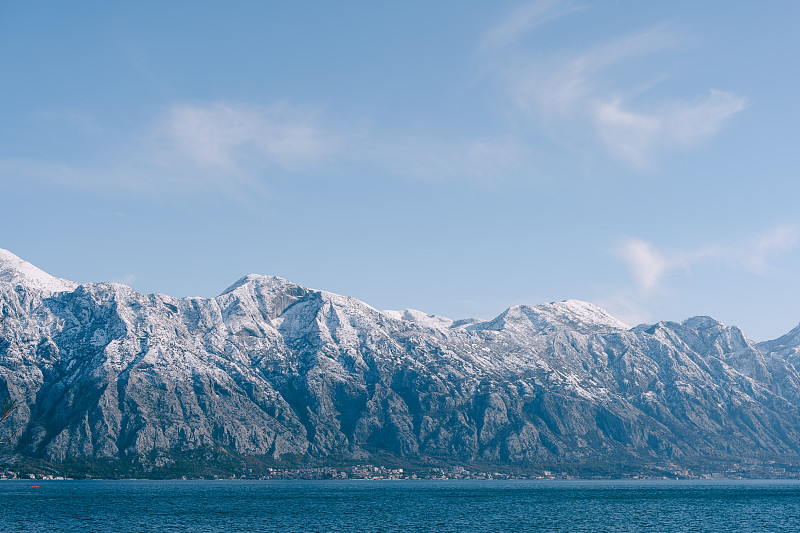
(270, 368)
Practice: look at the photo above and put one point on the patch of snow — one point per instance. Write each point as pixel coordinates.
(572, 315)
(790, 340)
(15, 271)
(421, 318)
(273, 282)
(577, 313)
(702, 322)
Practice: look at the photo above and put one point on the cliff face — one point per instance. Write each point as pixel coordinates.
(272, 368)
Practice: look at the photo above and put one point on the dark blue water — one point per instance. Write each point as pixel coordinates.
(202, 506)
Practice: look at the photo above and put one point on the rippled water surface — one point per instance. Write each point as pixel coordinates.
(202, 506)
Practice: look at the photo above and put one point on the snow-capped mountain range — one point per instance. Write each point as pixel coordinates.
(272, 369)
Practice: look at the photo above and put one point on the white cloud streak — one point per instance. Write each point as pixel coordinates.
(646, 263)
(649, 266)
(234, 150)
(238, 141)
(522, 20)
(589, 89)
(223, 136)
(780, 240)
(577, 99)
(224, 149)
(558, 84)
(637, 137)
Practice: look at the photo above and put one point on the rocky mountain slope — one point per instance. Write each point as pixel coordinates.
(272, 369)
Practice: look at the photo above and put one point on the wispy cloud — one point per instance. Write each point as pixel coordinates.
(564, 102)
(225, 136)
(637, 137)
(235, 148)
(227, 149)
(522, 20)
(646, 263)
(649, 265)
(656, 271)
(780, 240)
(557, 83)
(592, 88)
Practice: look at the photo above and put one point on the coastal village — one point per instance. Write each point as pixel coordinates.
(743, 470)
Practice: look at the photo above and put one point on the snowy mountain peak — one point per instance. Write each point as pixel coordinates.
(15, 271)
(581, 314)
(269, 282)
(268, 295)
(702, 322)
(421, 318)
(790, 341)
(565, 315)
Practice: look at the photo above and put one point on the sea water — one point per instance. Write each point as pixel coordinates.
(383, 506)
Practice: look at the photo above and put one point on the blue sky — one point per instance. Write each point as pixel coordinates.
(455, 157)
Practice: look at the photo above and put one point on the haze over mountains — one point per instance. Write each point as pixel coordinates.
(275, 370)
